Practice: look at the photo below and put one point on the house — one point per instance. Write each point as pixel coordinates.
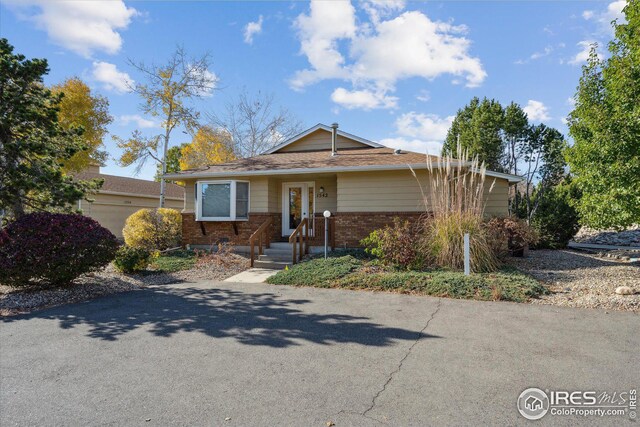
(120, 196)
(362, 183)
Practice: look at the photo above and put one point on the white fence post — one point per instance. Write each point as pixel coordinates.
(467, 261)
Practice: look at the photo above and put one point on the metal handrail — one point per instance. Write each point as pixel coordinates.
(258, 235)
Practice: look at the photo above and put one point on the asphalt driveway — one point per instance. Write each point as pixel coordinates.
(244, 354)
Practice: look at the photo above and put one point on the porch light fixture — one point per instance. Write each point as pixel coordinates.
(326, 215)
(321, 190)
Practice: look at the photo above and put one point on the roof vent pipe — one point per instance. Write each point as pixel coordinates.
(334, 137)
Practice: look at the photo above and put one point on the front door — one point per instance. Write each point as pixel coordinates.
(297, 203)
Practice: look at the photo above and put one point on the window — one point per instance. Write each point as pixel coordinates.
(222, 201)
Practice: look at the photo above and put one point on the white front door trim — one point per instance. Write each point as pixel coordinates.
(286, 231)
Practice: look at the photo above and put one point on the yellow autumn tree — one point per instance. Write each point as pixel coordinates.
(80, 108)
(209, 146)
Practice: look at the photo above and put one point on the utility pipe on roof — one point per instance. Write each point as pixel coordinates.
(334, 137)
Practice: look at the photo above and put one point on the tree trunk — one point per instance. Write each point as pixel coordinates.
(163, 183)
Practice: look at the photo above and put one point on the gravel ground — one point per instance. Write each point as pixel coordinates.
(577, 279)
(16, 301)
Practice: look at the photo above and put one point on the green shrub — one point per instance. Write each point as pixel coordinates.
(504, 285)
(555, 219)
(396, 245)
(315, 271)
(131, 260)
(53, 249)
(153, 229)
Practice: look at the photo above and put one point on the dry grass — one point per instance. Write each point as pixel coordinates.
(457, 202)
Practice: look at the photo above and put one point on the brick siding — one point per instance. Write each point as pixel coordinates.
(348, 227)
(351, 227)
(223, 231)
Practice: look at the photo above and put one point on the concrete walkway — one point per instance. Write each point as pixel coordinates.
(234, 354)
(252, 275)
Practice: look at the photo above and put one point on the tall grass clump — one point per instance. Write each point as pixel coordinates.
(456, 202)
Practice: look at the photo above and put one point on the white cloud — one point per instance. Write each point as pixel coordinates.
(614, 11)
(424, 126)
(208, 79)
(537, 55)
(422, 133)
(383, 50)
(423, 95)
(111, 78)
(83, 27)
(252, 29)
(571, 101)
(583, 54)
(319, 40)
(604, 17)
(139, 121)
(363, 99)
(433, 148)
(377, 9)
(411, 45)
(536, 111)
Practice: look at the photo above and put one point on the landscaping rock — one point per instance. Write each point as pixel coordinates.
(624, 290)
(629, 237)
(591, 281)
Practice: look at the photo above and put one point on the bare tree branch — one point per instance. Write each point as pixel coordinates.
(255, 124)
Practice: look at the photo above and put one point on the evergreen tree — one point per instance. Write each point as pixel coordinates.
(33, 145)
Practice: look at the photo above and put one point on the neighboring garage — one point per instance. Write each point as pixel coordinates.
(120, 196)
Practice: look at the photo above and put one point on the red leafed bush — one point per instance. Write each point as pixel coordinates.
(53, 249)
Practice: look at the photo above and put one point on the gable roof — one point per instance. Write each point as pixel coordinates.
(320, 126)
(303, 162)
(133, 186)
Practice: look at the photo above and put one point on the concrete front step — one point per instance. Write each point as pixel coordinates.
(273, 265)
(276, 252)
(274, 258)
(280, 245)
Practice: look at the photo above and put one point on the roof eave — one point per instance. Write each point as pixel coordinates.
(303, 171)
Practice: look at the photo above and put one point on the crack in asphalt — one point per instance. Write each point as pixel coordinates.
(391, 375)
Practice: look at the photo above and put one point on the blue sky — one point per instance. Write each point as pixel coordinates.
(391, 71)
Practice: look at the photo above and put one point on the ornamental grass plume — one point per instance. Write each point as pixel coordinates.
(455, 204)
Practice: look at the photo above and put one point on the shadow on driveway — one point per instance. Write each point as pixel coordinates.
(260, 319)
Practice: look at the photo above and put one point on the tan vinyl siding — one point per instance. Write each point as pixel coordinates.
(381, 191)
(320, 140)
(259, 195)
(331, 190)
(399, 191)
(111, 211)
(384, 191)
(498, 199)
(189, 196)
(275, 204)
